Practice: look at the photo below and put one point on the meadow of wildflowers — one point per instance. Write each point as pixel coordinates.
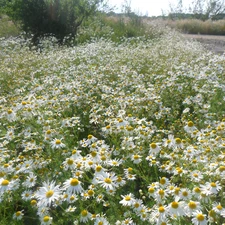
(112, 133)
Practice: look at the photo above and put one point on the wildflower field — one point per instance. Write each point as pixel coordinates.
(129, 132)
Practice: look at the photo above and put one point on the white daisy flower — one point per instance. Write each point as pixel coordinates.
(176, 208)
(73, 185)
(107, 181)
(5, 185)
(199, 218)
(46, 220)
(127, 200)
(85, 216)
(57, 144)
(18, 215)
(48, 194)
(191, 207)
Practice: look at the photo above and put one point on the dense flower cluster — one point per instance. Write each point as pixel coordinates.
(105, 133)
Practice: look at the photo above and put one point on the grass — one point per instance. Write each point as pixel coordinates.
(7, 28)
(194, 26)
(112, 132)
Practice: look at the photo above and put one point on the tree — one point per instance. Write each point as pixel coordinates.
(59, 18)
(208, 8)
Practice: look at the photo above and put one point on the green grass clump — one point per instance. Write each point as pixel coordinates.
(7, 27)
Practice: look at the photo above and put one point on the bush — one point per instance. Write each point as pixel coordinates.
(51, 17)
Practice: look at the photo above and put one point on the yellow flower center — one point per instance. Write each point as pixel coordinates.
(192, 205)
(174, 205)
(93, 154)
(219, 207)
(33, 202)
(49, 193)
(190, 124)
(197, 190)
(200, 217)
(127, 198)
(5, 183)
(10, 111)
(46, 218)
(151, 190)
(153, 145)
(129, 169)
(2, 174)
(74, 182)
(103, 158)
(90, 136)
(48, 132)
(213, 184)
(84, 213)
(100, 223)
(136, 204)
(57, 142)
(74, 151)
(108, 180)
(90, 192)
(98, 168)
(70, 162)
(161, 209)
(222, 168)
(162, 181)
(178, 140)
(18, 213)
(136, 157)
(161, 192)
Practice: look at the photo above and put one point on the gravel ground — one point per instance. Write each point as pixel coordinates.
(214, 43)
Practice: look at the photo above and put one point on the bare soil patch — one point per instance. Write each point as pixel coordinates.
(214, 43)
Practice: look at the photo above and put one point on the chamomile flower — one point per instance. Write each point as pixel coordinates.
(73, 185)
(11, 115)
(176, 208)
(137, 205)
(30, 180)
(218, 208)
(101, 221)
(196, 176)
(57, 144)
(127, 221)
(46, 220)
(69, 163)
(5, 185)
(70, 209)
(107, 181)
(154, 148)
(136, 158)
(199, 218)
(27, 195)
(48, 194)
(127, 200)
(190, 127)
(85, 216)
(211, 188)
(191, 207)
(18, 215)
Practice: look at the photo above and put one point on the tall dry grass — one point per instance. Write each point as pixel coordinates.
(194, 26)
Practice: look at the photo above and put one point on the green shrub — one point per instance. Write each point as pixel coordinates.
(51, 17)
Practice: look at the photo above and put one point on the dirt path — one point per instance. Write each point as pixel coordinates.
(214, 43)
